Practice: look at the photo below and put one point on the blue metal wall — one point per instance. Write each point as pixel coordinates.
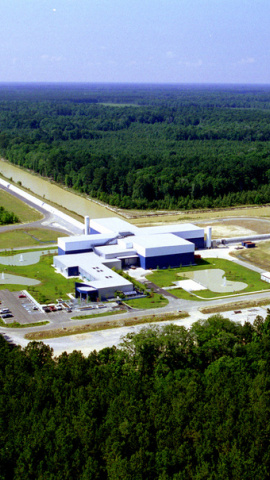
(72, 252)
(93, 231)
(73, 271)
(198, 242)
(165, 261)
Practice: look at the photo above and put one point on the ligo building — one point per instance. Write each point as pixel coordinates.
(113, 242)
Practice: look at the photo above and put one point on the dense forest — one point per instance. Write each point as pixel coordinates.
(148, 146)
(170, 404)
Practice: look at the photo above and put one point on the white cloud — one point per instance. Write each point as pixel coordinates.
(170, 54)
(51, 58)
(189, 64)
(246, 61)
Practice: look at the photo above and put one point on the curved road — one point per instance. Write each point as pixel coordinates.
(88, 342)
(97, 340)
(49, 220)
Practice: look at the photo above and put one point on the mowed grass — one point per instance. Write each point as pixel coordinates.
(104, 314)
(28, 237)
(233, 272)
(52, 285)
(45, 249)
(155, 301)
(25, 213)
(184, 295)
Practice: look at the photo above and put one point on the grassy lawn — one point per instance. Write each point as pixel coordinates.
(184, 295)
(233, 272)
(45, 248)
(104, 314)
(52, 285)
(157, 301)
(24, 212)
(28, 237)
(24, 325)
(165, 278)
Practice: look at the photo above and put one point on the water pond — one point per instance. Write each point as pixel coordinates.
(26, 258)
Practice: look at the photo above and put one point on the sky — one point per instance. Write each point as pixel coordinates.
(135, 41)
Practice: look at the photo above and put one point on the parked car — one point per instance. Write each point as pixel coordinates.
(5, 310)
(7, 315)
(22, 295)
(46, 309)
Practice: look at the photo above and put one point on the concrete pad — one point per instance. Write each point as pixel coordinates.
(189, 285)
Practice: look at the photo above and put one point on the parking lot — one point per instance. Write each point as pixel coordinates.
(22, 309)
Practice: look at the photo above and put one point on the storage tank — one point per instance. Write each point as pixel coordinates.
(86, 225)
(208, 241)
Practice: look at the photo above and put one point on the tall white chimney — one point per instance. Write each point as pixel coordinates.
(86, 225)
(208, 237)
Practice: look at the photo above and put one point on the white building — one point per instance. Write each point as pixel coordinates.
(115, 242)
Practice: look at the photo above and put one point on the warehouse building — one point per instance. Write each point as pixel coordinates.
(113, 242)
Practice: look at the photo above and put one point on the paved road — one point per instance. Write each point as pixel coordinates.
(53, 220)
(88, 342)
(97, 340)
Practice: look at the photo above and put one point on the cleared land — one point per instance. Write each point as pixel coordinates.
(25, 213)
(234, 306)
(151, 218)
(238, 227)
(259, 256)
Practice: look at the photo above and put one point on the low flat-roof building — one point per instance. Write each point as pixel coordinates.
(115, 242)
(90, 268)
(163, 251)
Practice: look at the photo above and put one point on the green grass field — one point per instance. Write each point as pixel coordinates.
(28, 237)
(52, 285)
(25, 213)
(156, 301)
(233, 272)
(44, 248)
(24, 325)
(104, 314)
